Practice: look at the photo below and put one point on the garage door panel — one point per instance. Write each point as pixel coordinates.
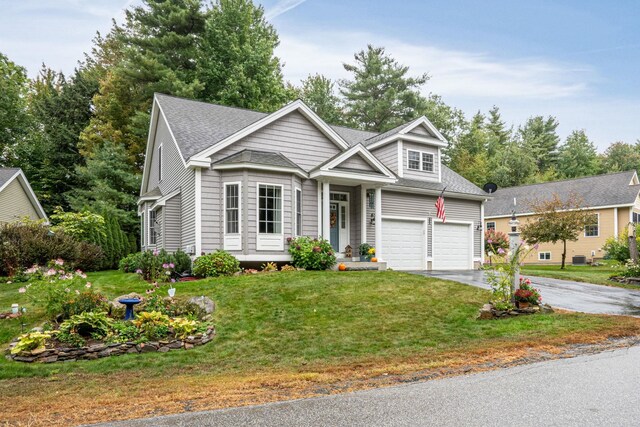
(452, 245)
(403, 244)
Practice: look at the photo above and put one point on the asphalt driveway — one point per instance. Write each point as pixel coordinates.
(576, 296)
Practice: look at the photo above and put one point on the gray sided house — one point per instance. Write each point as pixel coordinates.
(218, 177)
(17, 199)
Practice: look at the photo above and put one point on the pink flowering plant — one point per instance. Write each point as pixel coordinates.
(501, 275)
(494, 241)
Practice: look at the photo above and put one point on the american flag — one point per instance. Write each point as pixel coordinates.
(440, 213)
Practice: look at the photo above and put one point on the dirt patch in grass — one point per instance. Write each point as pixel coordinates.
(85, 398)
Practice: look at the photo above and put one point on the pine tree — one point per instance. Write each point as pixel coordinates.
(14, 120)
(380, 95)
(621, 156)
(109, 186)
(237, 63)
(577, 156)
(497, 134)
(539, 136)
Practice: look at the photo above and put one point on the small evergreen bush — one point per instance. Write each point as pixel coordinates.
(218, 263)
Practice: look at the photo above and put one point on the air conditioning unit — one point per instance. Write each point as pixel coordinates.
(190, 249)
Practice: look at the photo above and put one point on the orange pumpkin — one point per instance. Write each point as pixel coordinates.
(342, 267)
(374, 259)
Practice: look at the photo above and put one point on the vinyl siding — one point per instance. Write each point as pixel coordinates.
(421, 206)
(15, 204)
(310, 208)
(171, 221)
(415, 174)
(356, 162)
(388, 155)
(212, 205)
(293, 136)
(420, 131)
(175, 175)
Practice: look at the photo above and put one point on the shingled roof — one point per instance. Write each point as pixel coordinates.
(613, 189)
(198, 125)
(6, 174)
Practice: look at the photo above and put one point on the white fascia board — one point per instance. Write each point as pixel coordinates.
(163, 200)
(425, 122)
(590, 208)
(198, 163)
(156, 113)
(355, 150)
(406, 137)
(351, 175)
(297, 105)
(147, 199)
(30, 194)
(260, 167)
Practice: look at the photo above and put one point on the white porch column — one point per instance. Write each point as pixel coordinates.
(379, 249)
(363, 216)
(326, 220)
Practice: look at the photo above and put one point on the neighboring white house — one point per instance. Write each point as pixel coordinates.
(218, 177)
(17, 199)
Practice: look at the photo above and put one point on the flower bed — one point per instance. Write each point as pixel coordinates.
(99, 350)
(489, 311)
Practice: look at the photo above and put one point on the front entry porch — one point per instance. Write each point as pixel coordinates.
(349, 215)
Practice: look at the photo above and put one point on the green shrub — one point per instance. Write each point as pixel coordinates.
(130, 263)
(152, 324)
(617, 249)
(86, 325)
(312, 254)
(630, 270)
(66, 298)
(269, 267)
(182, 261)
(31, 341)
(26, 243)
(218, 263)
(182, 328)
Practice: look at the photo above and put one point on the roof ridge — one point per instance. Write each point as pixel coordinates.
(568, 179)
(213, 103)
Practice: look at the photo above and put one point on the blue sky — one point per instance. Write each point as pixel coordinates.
(576, 60)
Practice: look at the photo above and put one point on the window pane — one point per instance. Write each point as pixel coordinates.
(232, 214)
(269, 209)
(414, 160)
(427, 162)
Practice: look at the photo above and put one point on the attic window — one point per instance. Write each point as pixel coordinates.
(420, 161)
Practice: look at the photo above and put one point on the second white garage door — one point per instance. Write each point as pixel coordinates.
(452, 247)
(403, 244)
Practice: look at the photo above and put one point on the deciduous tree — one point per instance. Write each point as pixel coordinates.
(556, 220)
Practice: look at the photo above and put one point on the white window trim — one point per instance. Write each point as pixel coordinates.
(269, 241)
(160, 155)
(421, 154)
(543, 253)
(149, 228)
(297, 194)
(494, 225)
(598, 225)
(232, 241)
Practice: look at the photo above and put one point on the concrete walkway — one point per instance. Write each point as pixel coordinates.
(567, 294)
(594, 390)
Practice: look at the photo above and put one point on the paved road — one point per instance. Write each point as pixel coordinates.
(576, 296)
(595, 390)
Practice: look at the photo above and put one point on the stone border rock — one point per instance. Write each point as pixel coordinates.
(488, 311)
(10, 315)
(97, 351)
(626, 280)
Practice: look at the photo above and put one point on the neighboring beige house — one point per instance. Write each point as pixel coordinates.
(613, 199)
(218, 177)
(17, 199)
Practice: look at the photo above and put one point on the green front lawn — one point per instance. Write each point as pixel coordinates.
(286, 322)
(580, 273)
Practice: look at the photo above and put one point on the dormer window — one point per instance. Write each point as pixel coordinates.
(420, 161)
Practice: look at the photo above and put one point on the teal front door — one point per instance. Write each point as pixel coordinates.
(334, 222)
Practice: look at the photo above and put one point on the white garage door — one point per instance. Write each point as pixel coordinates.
(452, 247)
(403, 244)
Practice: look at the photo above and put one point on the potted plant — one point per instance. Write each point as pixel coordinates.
(526, 295)
(364, 252)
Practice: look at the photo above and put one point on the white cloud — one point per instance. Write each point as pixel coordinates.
(281, 6)
(453, 72)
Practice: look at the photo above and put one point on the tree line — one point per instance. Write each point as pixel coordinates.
(81, 138)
